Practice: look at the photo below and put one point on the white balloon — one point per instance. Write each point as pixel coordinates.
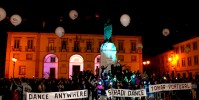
(59, 31)
(73, 14)
(125, 20)
(139, 46)
(2, 14)
(15, 19)
(166, 32)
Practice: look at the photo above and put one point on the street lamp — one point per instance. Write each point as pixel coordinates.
(14, 60)
(146, 63)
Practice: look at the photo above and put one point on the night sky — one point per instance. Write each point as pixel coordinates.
(147, 19)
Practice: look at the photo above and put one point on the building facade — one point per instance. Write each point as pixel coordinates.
(183, 60)
(45, 55)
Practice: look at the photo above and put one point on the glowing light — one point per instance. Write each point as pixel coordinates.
(147, 62)
(173, 59)
(14, 59)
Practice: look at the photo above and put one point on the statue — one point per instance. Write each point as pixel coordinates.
(107, 31)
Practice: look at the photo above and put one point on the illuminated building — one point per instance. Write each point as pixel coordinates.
(46, 55)
(182, 60)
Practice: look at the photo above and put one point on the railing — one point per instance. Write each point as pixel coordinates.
(51, 49)
(78, 49)
(121, 51)
(16, 49)
(30, 49)
(63, 49)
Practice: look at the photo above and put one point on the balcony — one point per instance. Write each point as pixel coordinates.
(77, 49)
(63, 49)
(89, 51)
(134, 51)
(30, 49)
(51, 49)
(16, 49)
(121, 51)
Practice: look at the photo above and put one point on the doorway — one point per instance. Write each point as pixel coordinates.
(52, 73)
(76, 69)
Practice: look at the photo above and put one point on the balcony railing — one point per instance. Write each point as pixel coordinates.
(133, 51)
(121, 51)
(16, 49)
(89, 51)
(63, 49)
(78, 49)
(51, 49)
(30, 49)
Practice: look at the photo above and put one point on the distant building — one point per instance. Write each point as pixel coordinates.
(182, 60)
(45, 55)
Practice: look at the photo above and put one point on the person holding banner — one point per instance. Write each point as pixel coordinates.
(26, 88)
(94, 90)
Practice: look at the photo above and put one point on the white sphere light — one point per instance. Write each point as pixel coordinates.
(139, 46)
(15, 19)
(59, 31)
(73, 14)
(125, 20)
(2, 14)
(165, 32)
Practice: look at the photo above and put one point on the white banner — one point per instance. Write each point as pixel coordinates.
(58, 95)
(169, 87)
(125, 93)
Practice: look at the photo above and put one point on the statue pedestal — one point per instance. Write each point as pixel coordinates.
(108, 55)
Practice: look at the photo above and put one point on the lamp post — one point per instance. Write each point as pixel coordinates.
(146, 63)
(14, 60)
(173, 59)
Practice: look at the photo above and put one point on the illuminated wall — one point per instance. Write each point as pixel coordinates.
(31, 61)
(183, 59)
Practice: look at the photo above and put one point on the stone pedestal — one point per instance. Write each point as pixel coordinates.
(108, 55)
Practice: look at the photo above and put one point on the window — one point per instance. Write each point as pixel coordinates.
(176, 50)
(188, 45)
(121, 57)
(182, 49)
(178, 63)
(98, 60)
(22, 70)
(63, 44)
(133, 46)
(196, 60)
(88, 45)
(133, 58)
(120, 45)
(51, 44)
(76, 46)
(30, 44)
(16, 43)
(29, 56)
(195, 46)
(189, 61)
(52, 59)
(183, 62)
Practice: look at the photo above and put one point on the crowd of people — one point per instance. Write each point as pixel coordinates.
(16, 88)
